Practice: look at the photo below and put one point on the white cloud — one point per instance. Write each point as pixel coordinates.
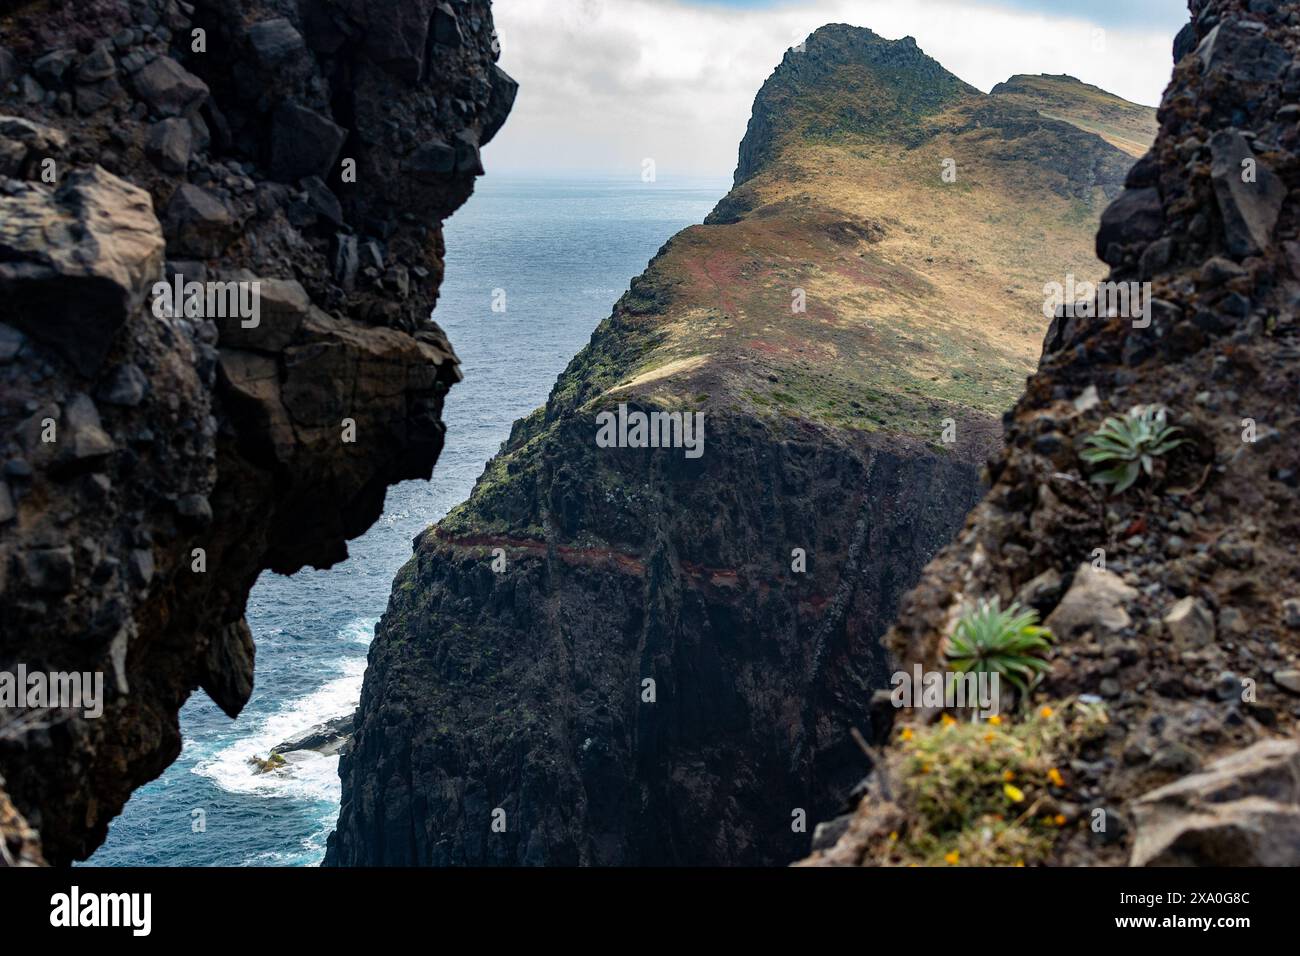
(607, 83)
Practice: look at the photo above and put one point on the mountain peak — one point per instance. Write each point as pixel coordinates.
(845, 79)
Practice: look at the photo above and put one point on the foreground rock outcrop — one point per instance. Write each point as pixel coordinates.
(159, 453)
(1172, 707)
(621, 652)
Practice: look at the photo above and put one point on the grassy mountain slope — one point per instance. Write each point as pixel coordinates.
(1127, 126)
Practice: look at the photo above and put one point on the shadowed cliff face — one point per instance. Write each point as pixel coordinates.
(1188, 641)
(640, 655)
(154, 462)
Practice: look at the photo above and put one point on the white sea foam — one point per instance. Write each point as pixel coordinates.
(311, 776)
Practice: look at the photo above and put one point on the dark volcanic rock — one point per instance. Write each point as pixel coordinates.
(1135, 217)
(199, 223)
(170, 142)
(168, 88)
(157, 460)
(524, 690)
(303, 143)
(1250, 199)
(275, 42)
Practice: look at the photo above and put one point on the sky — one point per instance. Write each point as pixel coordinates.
(607, 84)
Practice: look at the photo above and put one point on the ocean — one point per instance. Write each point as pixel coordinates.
(562, 251)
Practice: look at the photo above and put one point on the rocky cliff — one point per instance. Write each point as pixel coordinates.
(619, 652)
(296, 155)
(1165, 731)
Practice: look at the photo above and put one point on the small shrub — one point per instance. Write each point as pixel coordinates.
(1131, 445)
(1007, 642)
(988, 793)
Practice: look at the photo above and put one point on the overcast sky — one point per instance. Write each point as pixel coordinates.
(605, 84)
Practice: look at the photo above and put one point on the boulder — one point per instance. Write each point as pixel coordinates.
(322, 201)
(198, 223)
(91, 98)
(169, 89)
(1249, 200)
(502, 100)
(446, 30)
(74, 264)
(431, 160)
(398, 37)
(1241, 810)
(251, 383)
(24, 144)
(170, 143)
(346, 261)
(82, 437)
(467, 153)
(98, 66)
(1190, 623)
(275, 42)
(51, 67)
(127, 386)
(327, 738)
(303, 143)
(1244, 54)
(284, 305)
(1136, 216)
(1095, 602)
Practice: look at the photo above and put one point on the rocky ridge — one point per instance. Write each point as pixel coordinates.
(155, 463)
(1184, 648)
(630, 656)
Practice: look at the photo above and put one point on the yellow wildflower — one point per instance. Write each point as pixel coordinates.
(907, 733)
(952, 857)
(1054, 775)
(995, 720)
(1045, 712)
(1014, 794)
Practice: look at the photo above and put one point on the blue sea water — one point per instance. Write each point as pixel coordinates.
(563, 250)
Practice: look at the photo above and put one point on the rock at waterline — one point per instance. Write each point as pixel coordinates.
(327, 739)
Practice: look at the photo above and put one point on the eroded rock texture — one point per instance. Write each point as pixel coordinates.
(154, 466)
(1197, 660)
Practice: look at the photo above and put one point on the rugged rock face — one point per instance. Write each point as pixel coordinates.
(1199, 665)
(156, 461)
(643, 655)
